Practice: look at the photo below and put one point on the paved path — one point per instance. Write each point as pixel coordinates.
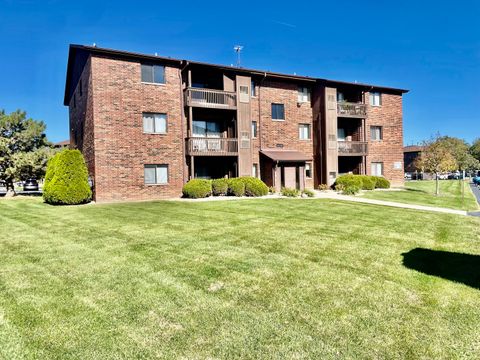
(335, 196)
(476, 192)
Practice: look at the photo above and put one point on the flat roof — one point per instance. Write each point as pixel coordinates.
(83, 51)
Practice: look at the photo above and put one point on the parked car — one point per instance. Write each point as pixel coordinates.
(476, 180)
(442, 176)
(3, 187)
(408, 176)
(30, 185)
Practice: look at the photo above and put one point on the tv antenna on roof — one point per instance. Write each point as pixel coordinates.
(238, 49)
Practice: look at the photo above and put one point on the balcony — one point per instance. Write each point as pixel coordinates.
(352, 148)
(210, 98)
(212, 146)
(354, 110)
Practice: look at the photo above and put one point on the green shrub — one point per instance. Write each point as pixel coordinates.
(219, 187)
(308, 193)
(66, 180)
(272, 189)
(381, 182)
(236, 187)
(350, 189)
(368, 182)
(348, 180)
(323, 187)
(290, 192)
(197, 188)
(254, 186)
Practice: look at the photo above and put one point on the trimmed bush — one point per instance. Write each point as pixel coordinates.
(323, 187)
(254, 186)
(236, 187)
(197, 188)
(219, 187)
(350, 189)
(368, 182)
(290, 192)
(308, 193)
(348, 180)
(381, 182)
(66, 180)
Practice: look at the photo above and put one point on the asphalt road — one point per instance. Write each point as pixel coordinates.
(476, 192)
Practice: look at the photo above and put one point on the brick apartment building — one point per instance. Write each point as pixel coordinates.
(146, 124)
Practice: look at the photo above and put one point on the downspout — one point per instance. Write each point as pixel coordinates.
(184, 123)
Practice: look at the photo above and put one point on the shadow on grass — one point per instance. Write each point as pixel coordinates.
(463, 268)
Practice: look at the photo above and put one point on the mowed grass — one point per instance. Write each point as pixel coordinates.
(277, 278)
(423, 193)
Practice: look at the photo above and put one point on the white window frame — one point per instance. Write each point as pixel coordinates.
(375, 98)
(309, 165)
(156, 167)
(373, 131)
(255, 170)
(303, 94)
(254, 129)
(155, 116)
(301, 131)
(374, 166)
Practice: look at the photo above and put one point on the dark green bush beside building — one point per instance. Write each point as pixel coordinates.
(66, 180)
(197, 188)
(254, 186)
(236, 187)
(219, 187)
(351, 184)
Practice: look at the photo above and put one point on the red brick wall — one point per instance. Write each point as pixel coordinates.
(121, 147)
(390, 149)
(271, 132)
(81, 119)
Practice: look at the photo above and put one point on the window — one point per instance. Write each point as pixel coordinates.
(308, 170)
(377, 168)
(278, 112)
(254, 129)
(375, 99)
(155, 123)
(255, 170)
(153, 74)
(340, 97)
(156, 174)
(304, 131)
(209, 129)
(341, 134)
(253, 90)
(376, 133)
(303, 94)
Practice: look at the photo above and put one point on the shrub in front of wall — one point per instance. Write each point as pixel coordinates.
(290, 192)
(254, 186)
(197, 188)
(368, 182)
(272, 190)
(350, 189)
(66, 180)
(308, 193)
(381, 182)
(236, 187)
(323, 187)
(219, 187)
(348, 180)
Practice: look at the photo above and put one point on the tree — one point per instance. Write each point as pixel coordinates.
(460, 151)
(436, 158)
(24, 149)
(475, 149)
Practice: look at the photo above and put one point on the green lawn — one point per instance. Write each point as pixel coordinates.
(423, 193)
(276, 278)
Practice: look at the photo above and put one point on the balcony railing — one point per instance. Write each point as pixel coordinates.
(212, 146)
(346, 109)
(352, 148)
(211, 98)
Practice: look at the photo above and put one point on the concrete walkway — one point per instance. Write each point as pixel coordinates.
(335, 196)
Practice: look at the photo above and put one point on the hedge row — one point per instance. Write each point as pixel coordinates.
(66, 179)
(241, 186)
(352, 184)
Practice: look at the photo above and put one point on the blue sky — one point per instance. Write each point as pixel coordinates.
(429, 47)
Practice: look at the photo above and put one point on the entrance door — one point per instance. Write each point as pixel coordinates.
(290, 176)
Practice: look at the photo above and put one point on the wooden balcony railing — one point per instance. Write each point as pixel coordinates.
(346, 109)
(212, 146)
(210, 98)
(352, 148)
